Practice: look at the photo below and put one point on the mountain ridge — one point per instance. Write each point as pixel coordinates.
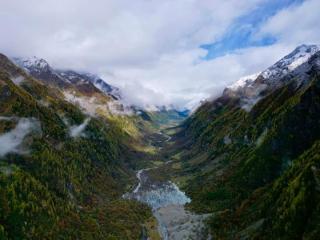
(63, 171)
(256, 167)
(251, 89)
(40, 68)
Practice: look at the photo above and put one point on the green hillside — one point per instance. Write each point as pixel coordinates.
(257, 170)
(59, 186)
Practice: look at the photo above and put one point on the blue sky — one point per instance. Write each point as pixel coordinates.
(241, 34)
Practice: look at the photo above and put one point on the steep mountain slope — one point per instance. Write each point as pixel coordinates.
(40, 69)
(89, 92)
(90, 80)
(62, 169)
(254, 155)
(94, 96)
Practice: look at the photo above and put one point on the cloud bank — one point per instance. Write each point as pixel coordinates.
(11, 142)
(152, 49)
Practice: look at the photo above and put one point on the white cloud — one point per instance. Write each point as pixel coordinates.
(120, 37)
(185, 80)
(295, 25)
(105, 34)
(12, 140)
(77, 130)
(150, 48)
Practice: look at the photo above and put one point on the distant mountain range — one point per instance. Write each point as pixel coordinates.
(85, 82)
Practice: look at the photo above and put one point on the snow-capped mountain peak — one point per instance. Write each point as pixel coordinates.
(41, 69)
(290, 62)
(284, 66)
(250, 88)
(103, 86)
(34, 63)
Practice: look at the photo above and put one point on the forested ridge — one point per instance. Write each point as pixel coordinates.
(257, 171)
(58, 186)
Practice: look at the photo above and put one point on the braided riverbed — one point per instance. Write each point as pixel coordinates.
(167, 202)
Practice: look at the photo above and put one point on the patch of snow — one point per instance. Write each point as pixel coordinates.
(244, 81)
(298, 62)
(249, 88)
(290, 62)
(32, 63)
